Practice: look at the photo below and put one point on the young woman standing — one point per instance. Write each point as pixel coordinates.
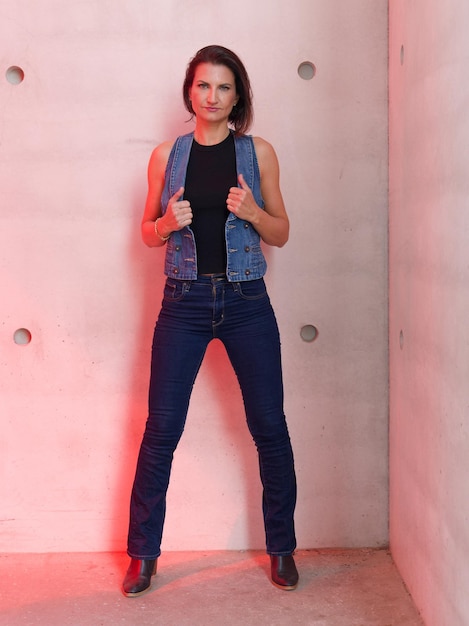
(213, 195)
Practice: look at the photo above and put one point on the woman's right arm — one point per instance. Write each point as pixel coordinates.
(177, 215)
(156, 170)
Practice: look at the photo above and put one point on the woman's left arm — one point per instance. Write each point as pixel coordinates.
(271, 222)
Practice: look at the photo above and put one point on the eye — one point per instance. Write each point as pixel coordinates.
(225, 87)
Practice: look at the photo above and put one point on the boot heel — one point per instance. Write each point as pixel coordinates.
(138, 578)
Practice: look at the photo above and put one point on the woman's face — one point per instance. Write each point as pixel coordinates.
(213, 92)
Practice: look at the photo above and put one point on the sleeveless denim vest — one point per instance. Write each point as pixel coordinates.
(245, 259)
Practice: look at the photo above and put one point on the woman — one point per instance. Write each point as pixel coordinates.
(213, 194)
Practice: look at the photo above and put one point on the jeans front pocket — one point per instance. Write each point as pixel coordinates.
(251, 289)
(175, 290)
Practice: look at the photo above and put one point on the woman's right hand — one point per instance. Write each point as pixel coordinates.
(178, 213)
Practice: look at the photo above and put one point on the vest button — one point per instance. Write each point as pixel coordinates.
(246, 225)
(175, 270)
(247, 248)
(247, 272)
(177, 248)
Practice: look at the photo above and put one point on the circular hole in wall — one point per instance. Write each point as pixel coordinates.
(306, 70)
(308, 332)
(22, 336)
(15, 75)
(402, 55)
(401, 340)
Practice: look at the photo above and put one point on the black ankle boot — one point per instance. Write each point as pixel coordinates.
(138, 577)
(283, 571)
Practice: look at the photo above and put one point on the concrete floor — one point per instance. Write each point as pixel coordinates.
(337, 588)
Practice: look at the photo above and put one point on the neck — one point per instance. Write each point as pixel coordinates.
(210, 136)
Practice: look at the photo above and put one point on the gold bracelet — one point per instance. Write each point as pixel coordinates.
(158, 234)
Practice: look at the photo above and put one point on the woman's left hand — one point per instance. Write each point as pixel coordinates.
(241, 202)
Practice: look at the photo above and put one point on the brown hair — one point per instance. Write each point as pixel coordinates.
(242, 114)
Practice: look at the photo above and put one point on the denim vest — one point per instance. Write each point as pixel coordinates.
(245, 259)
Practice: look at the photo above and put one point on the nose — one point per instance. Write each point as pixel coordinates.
(212, 95)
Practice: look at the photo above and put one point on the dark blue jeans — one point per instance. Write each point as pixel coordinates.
(241, 316)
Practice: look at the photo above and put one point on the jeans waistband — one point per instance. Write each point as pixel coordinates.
(210, 278)
(221, 274)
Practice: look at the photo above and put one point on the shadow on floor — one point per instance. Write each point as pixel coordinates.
(337, 588)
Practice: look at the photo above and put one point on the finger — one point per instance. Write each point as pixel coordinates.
(231, 200)
(185, 220)
(243, 183)
(177, 195)
(184, 210)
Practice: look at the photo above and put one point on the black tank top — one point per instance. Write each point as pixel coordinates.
(211, 172)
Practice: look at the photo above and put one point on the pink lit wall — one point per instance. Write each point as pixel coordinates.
(429, 296)
(101, 86)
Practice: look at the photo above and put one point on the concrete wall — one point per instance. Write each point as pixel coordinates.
(102, 83)
(429, 296)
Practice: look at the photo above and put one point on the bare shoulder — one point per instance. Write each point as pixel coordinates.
(262, 146)
(159, 156)
(266, 155)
